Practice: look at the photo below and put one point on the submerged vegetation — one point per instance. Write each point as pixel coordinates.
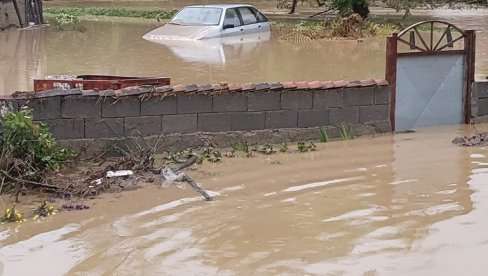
(116, 12)
(64, 22)
(351, 27)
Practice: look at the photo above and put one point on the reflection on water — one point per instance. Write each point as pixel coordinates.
(118, 48)
(394, 205)
(215, 51)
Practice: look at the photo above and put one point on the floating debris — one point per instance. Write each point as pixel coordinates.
(72, 207)
(480, 139)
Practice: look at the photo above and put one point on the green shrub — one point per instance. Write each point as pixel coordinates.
(27, 148)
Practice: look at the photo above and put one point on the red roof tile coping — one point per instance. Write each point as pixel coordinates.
(179, 88)
(248, 86)
(354, 83)
(315, 85)
(365, 83)
(235, 87)
(340, 84)
(216, 87)
(289, 85)
(302, 85)
(205, 88)
(327, 84)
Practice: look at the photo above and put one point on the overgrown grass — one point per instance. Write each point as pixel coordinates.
(346, 134)
(324, 137)
(116, 12)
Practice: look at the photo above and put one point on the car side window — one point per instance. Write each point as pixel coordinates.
(231, 18)
(247, 16)
(260, 16)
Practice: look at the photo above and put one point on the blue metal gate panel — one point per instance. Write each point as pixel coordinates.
(429, 91)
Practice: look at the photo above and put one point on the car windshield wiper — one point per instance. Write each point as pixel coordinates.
(177, 23)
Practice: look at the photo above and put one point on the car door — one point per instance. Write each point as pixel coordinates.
(232, 24)
(249, 20)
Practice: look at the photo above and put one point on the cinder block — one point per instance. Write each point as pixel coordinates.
(104, 128)
(374, 113)
(313, 118)
(198, 103)
(42, 109)
(344, 115)
(358, 96)
(482, 107)
(480, 89)
(382, 94)
(229, 102)
(214, 122)
(184, 123)
(11, 105)
(146, 125)
(264, 101)
(158, 106)
(121, 107)
(298, 99)
(248, 120)
(282, 119)
(81, 107)
(327, 98)
(64, 129)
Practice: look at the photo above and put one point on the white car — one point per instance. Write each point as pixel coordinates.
(211, 21)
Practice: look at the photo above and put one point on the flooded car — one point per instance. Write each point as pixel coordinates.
(211, 21)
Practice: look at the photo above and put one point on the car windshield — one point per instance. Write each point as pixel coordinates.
(197, 16)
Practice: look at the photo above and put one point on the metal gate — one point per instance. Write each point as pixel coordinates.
(430, 67)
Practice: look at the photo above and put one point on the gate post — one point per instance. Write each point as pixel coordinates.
(390, 74)
(470, 48)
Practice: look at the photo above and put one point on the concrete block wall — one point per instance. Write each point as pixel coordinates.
(479, 102)
(75, 114)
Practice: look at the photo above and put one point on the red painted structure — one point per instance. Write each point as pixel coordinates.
(100, 82)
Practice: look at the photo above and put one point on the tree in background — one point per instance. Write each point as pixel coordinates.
(344, 7)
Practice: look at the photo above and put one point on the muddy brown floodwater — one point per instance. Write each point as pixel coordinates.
(399, 204)
(118, 48)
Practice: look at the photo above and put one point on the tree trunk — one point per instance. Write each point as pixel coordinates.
(293, 6)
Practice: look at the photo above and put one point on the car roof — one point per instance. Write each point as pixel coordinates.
(223, 6)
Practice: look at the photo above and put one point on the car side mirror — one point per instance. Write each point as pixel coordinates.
(228, 26)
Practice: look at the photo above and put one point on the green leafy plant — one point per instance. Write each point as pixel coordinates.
(302, 147)
(66, 21)
(27, 151)
(347, 7)
(12, 215)
(324, 137)
(266, 149)
(284, 147)
(345, 133)
(243, 147)
(24, 139)
(44, 210)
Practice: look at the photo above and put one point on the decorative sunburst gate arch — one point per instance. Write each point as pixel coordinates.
(430, 67)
